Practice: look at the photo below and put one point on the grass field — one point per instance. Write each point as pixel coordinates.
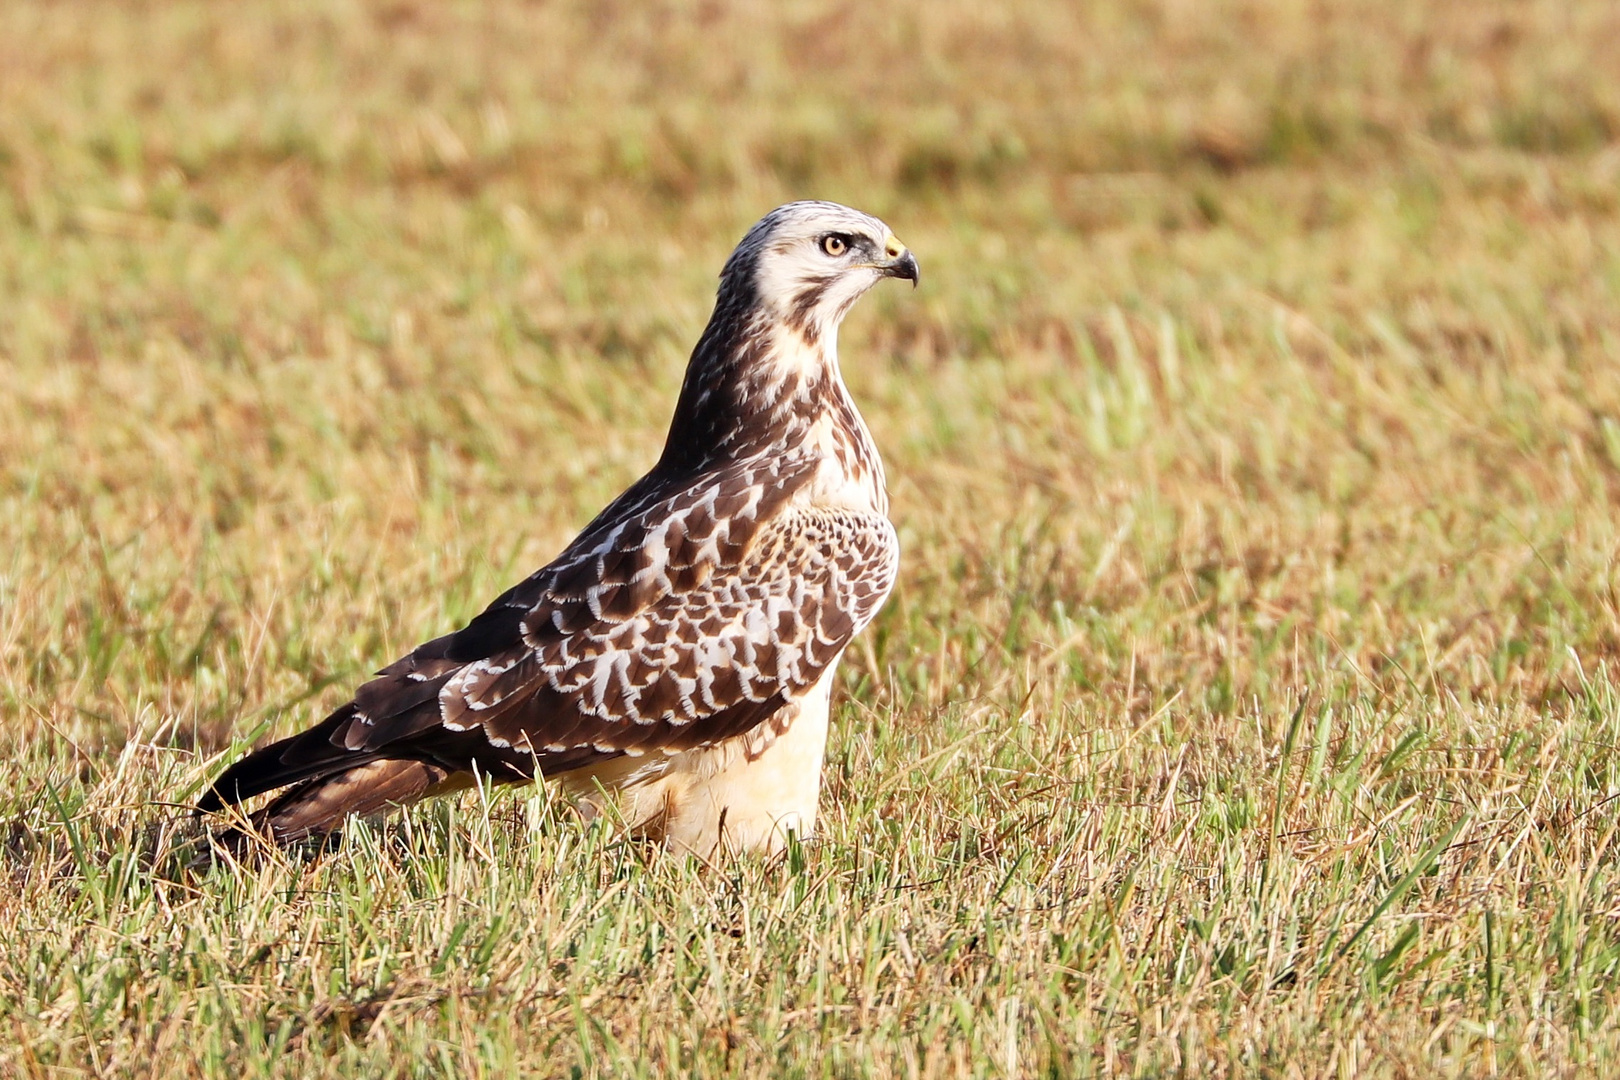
(1250, 698)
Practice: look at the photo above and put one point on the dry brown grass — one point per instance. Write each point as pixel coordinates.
(1248, 704)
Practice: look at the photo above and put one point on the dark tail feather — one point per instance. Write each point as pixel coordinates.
(318, 807)
(308, 755)
(327, 782)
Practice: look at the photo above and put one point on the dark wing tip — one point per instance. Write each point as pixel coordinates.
(299, 757)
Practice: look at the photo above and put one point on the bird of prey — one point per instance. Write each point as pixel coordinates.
(677, 658)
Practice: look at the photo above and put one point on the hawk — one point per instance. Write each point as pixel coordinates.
(676, 660)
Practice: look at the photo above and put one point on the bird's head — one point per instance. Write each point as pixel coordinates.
(805, 264)
(768, 358)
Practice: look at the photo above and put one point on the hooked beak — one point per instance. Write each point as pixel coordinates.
(902, 265)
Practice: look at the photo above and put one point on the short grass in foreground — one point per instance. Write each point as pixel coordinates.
(1248, 702)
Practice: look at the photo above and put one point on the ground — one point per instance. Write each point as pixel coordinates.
(1249, 700)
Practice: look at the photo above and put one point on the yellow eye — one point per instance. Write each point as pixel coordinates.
(834, 245)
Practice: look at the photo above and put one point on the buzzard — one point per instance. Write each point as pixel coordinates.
(677, 658)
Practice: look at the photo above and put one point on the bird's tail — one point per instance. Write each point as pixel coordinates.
(325, 784)
(319, 807)
(316, 808)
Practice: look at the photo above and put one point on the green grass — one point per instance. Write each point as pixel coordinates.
(1249, 700)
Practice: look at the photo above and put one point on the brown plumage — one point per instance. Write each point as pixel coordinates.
(679, 652)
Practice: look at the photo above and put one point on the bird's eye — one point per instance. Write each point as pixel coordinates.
(834, 245)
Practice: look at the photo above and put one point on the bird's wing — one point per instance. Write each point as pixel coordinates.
(682, 617)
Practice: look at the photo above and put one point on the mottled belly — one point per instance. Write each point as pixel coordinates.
(745, 794)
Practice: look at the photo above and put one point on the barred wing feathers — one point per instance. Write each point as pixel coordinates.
(687, 613)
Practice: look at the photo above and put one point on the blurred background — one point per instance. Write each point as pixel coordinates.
(1263, 347)
(319, 323)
